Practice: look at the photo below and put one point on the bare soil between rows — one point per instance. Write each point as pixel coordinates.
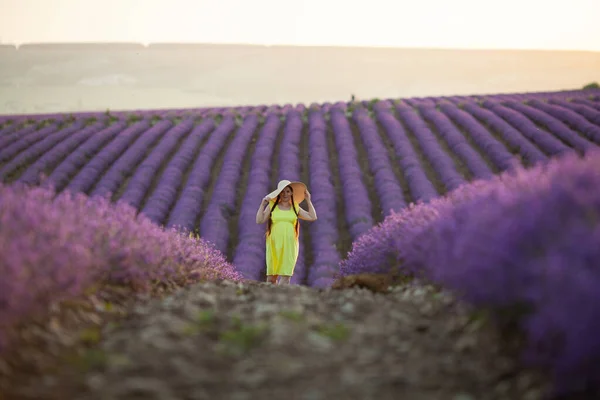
(253, 340)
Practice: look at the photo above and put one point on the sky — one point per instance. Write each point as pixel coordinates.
(507, 24)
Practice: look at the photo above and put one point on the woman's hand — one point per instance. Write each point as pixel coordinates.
(266, 200)
(311, 215)
(307, 194)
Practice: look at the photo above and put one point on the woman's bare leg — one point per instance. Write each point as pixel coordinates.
(272, 279)
(284, 280)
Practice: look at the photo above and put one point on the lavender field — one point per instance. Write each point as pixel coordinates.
(206, 170)
(494, 198)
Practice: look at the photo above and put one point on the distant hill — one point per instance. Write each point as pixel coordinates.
(82, 46)
(92, 46)
(76, 77)
(200, 46)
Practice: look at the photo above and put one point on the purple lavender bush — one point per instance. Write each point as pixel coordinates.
(249, 257)
(289, 168)
(7, 152)
(55, 247)
(14, 132)
(323, 232)
(571, 119)
(524, 245)
(549, 144)
(533, 244)
(214, 225)
(35, 150)
(554, 125)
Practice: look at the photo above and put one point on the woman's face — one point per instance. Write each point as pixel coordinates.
(286, 194)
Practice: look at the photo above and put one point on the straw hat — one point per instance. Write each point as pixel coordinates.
(297, 187)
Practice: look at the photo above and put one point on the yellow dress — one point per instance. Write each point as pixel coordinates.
(282, 243)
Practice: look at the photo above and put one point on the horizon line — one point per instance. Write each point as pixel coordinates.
(307, 104)
(148, 45)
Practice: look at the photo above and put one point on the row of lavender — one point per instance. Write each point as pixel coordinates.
(98, 159)
(59, 247)
(558, 116)
(582, 145)
(586, 107)
(523, 247)
(576, 114)
(566, 95)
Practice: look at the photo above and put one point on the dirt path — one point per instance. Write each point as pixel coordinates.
(253, 341)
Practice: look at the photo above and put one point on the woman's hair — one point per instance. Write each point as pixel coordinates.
(270, 222)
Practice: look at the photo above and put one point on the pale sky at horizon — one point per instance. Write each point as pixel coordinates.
(515, 24)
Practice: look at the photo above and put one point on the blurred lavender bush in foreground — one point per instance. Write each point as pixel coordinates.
(527, 240)
(54, 248)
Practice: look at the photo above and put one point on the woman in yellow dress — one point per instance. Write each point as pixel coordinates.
(281, 210)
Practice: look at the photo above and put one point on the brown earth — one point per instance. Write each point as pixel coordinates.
(362, 340)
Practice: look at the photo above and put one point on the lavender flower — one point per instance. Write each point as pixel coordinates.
(358, 205)
(420, 186)
(441, 161)
(55, 248)
(386, 184)
(74, 161)
(249, 254)
(530, 153)
(14, 132)
(546, 142)
(214, 226)
(589, 113)
(88, 175)
(457, 143)
(555, 126)
(323, 231)
(523, 240)
(35, 150)
(500, 156)
(531, 241)
(115, 175)
(188, 205)
(588, 103)
(289, 168)
(10, 151)
(48, 160)
(145, 172)
(570, 118)
(165, 193)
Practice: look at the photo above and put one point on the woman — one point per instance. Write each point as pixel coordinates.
(281, 210)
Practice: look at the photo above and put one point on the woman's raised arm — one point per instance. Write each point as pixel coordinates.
(311, 215)
(263, 211)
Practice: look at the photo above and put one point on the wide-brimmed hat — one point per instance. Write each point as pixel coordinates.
(297, 187)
